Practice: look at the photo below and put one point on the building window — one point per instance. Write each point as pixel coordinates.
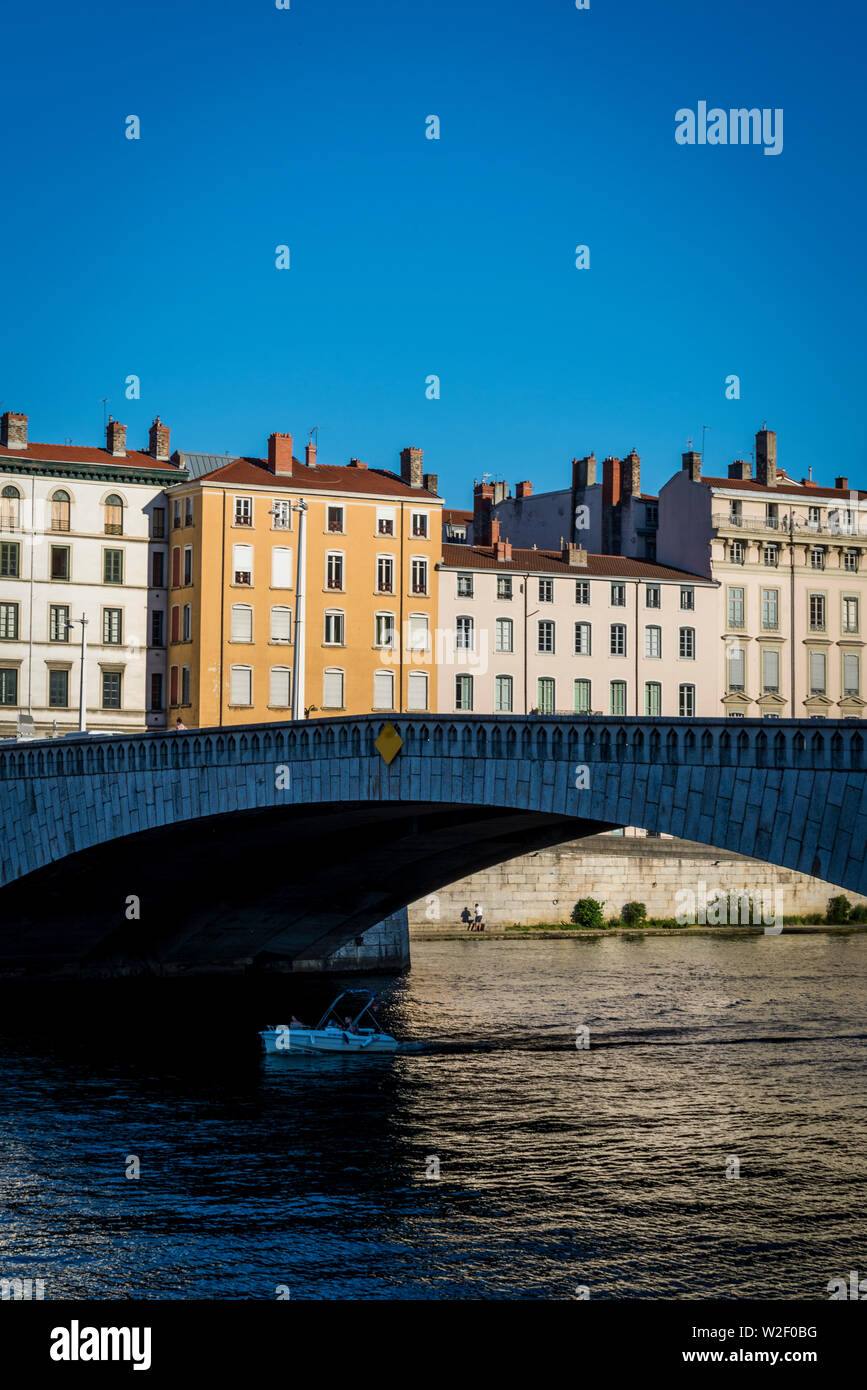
(736, 668)
(243, 511)
(10, 509)
(114, 515)
(814, 518)
(546, 636)
(111, 689)
(176, 565)
(188, 521)
(185, 686)
(651, 514)
(158, 523)
(618, 697)
(736, 607)
(736, 552)
(8, 622)
(686, 644)
(850, 560)
(771, 556)
(546, 695)
(582, 591)
(173, 686)
(772, 515)
(464, 637)
(416, 691)
(736, 513)
(334, 519)
(8, 686)
(817, 557)
(281, 567)
(687, 596)
(332, 689)
(419, 525)
(851, 673)
(241, 629)
(503, 687)
(384, 521)
(650, 548)
(465, 586)
(335, 626)
(419, 632)
(281, 515)
(653, 699)
(686, 701)
(158, 618)
(503, 635)
(112, 626)
(334, 570)
(850, 615)
(176, 513)
(770, 610)
(280, 687)
(817, 612)
(383, 690)
(58, 689)
(817, 673)
(546, 591)
(176, 623)
(187, 629)
(504, 586)
(770, 671)
(464, 693)
(242, 565)
(9, 559)
(383, 630)
(618, 640)
(188, 564)
(241, 685)
(618, 595)
(58, 623)
(157, 570)
(112, 566)
(419, 576)
(60, 510)
(60, 560)
(653, 642)
(582, 697)
(385, 574)
(281, 624)
(156, 690)
(652, 596)
(582, 639)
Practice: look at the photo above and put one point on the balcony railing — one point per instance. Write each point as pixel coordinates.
(241, 519)
(803, 529)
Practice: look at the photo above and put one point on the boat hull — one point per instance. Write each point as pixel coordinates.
(282, 1040)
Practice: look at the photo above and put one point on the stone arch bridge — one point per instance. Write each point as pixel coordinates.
(265, 843)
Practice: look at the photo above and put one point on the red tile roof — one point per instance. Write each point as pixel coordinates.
(325, 477)
(482, 557)
(454, 514)
(83, 453)
(784, 484)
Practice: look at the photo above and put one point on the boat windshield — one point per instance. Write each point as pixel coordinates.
(354, 1004)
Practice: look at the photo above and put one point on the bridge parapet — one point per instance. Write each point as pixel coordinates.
(787, 744)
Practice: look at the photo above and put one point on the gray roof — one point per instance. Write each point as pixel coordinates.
(197, 465)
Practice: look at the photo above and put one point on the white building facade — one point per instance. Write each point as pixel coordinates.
(83, 535)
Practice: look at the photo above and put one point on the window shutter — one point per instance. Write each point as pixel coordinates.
(242, 560)
(241, 686)
(817, 672)
(281, 567)
(242, 623)
(383, 690)
(417, 691)
(281, 624)
(850, 674)
(280, 686)
(332, 690)
(771, 670)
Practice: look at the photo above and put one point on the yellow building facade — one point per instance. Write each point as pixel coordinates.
(372, 541)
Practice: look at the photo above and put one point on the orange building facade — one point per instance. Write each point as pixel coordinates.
(372, 540)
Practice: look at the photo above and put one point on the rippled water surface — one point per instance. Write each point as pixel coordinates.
(558, 1166)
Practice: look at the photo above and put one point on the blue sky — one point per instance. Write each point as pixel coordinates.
(412, 257)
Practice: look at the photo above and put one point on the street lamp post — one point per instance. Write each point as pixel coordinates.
(82, 705)
(298, 710)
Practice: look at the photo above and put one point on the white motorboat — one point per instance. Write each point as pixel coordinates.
(355, 1032)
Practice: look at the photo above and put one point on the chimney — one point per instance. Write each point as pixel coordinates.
(842, 484)
(158, 441)
(631, 475)
(503, 550)
(584, 472)
(691, 463)
(411, 466)
(523, 490)
(575, 555)
(766, 457)
(356, 463)
(115, 438)
(431, 483)
(610, 481)
(483, 496)
(739, 469)
(309, 455)
(280, 454)
(494, 535)
(13, 430)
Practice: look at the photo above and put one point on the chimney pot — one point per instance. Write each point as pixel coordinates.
(280, 454)
(356, 463)
(524, 489)
(739, 469)
(115, 438)
(13, 430)
(690, 463)
(411, 462)
(842, 484)
(431, 483)
(158, 441)
(309, 455)
(766, 457)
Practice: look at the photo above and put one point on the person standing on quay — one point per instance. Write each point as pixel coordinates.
(479, 917)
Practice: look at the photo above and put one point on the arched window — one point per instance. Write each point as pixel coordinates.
(114, 515)
(10, 509)
(60, 510)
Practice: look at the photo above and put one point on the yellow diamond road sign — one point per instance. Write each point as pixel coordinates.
(389, 742)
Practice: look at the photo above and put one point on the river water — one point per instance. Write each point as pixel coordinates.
(560, 1167)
